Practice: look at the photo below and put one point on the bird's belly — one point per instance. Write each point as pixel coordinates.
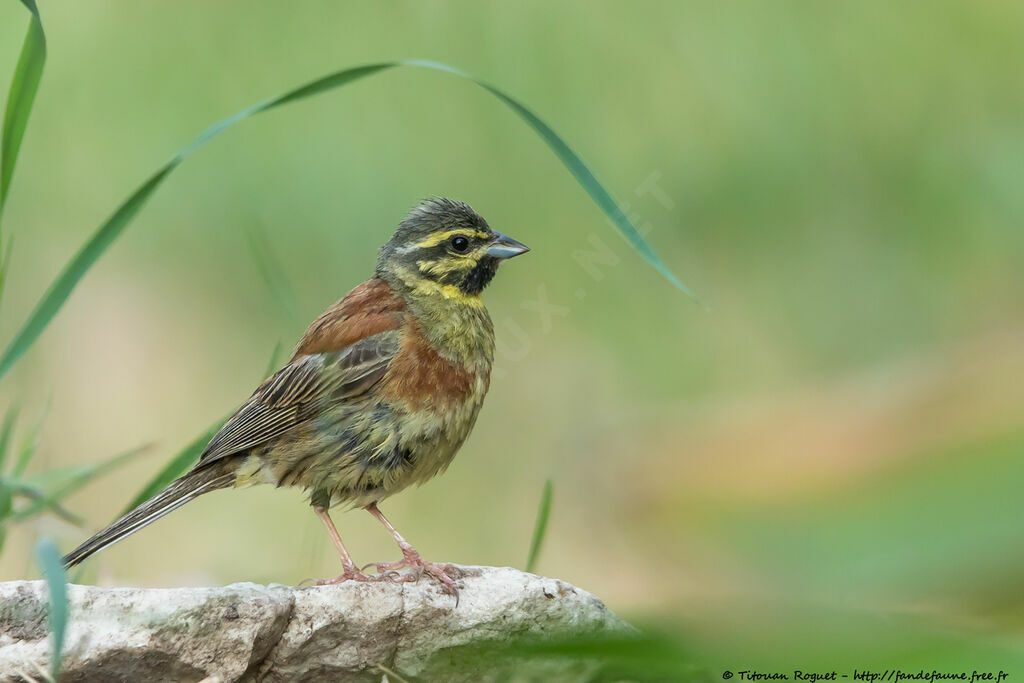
(360, 455)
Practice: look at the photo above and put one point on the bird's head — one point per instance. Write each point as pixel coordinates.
(444, 248)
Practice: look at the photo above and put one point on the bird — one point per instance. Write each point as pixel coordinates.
(383, 389)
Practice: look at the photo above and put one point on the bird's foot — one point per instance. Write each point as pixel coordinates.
(350, 574)
(412, 560)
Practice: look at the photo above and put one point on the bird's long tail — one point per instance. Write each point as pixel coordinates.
(181, 491)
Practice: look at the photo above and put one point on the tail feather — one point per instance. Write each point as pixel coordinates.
(181, 491)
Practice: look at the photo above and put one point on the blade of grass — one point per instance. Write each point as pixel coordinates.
(190, 454)
(36, 495)
(28, 445)
(5, 433)
(20, 98)
(541, 527)
(584, 176)
(24, 490)
(5, 263)
(87, 255)
(6, 506)
(51, 478)
(60, 289)
(6, 493)
(175, 468)
(77, 480)
(275, 360)
(271, 271)
(52, 567)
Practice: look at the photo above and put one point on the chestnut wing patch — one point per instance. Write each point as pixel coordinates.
(294, 393)
(369, 309)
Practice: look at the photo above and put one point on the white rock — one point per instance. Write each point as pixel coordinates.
(350, 631)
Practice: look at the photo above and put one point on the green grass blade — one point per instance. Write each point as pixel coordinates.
(272, 273)
(25, 454)
(52, 567)
(20, 98)
(61, 288)
(6, 507)
(175, 468)
(35, 495)
(190, 454)
(541, 527)
(6, 493)
(584, 176)
(52, 478)
(29, 444)
(73, 480)
(5, 434)
(59, 291)
(24, 489)
(3, 528)
(5, 264)
(275, 360)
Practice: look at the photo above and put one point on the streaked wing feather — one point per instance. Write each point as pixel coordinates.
(285, 400)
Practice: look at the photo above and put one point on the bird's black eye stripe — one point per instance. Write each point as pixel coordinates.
(460, 244)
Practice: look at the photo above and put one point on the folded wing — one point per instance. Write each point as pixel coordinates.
(291, 396)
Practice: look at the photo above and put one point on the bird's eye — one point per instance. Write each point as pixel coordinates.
(460, 244)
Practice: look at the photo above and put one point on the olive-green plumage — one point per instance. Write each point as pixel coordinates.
(383, 388)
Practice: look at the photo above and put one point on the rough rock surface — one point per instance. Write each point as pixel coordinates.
(351, 631)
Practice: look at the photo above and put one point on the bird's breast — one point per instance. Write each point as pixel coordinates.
(406, 429)
(438, 398)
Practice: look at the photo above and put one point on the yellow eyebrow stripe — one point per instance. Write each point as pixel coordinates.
(438, 237)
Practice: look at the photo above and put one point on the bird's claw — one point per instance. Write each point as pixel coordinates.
(392, 576)
(412, 560)
(350, 574)
(440, 572)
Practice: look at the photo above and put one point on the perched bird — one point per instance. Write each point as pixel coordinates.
(383, 389)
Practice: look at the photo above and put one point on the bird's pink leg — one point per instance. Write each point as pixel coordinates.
(350, 570)
(410, 558)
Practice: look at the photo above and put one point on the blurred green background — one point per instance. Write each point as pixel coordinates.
(824, 469)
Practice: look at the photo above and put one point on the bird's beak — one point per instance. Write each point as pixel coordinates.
(504, 247)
